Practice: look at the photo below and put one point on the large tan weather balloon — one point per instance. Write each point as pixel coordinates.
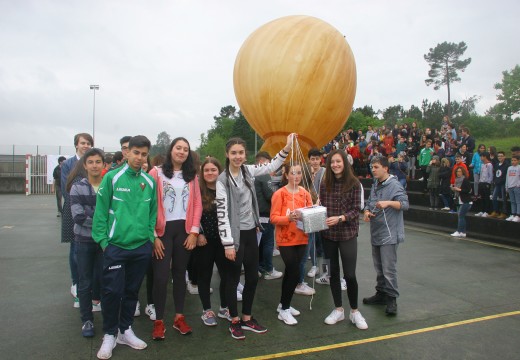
(295, 74)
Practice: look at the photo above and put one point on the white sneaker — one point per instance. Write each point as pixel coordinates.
(96, 307)
(462, 235)
(150, 311)
(510, 218)
(358, 320)
(137, 309)
(312, 272)
(129, 338)
(273, 275)
(109, 343)
(323, 279)
(76, 303)
(294, 312)
(304, 289)
(286, 317)
(240, 288)
(479, 214)
(192, 289)
(276, 252)
(455, 234)
(516, 218)
(239, 296)
(334, 317)
(74, 291)
(343, 285)
(484, 214)
(446, 208)
(421, 179)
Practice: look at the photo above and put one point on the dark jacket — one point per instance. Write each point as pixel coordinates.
(444, 178)
(500, 173)
(83, 205)
(465, 191)
(264, 193)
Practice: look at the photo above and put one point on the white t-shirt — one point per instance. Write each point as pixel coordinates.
(175, 196)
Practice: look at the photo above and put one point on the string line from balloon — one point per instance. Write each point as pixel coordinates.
(297, 157)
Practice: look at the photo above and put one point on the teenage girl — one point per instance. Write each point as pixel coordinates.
(209, 250)
(179, 209)
(237, 211)
(291, 241)
(341, 194)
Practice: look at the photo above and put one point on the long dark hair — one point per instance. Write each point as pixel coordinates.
(348, 180)
(208, 197)
(188, 166)
(229, 144)
(79, 172)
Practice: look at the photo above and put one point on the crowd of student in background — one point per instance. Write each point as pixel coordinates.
(433, 155)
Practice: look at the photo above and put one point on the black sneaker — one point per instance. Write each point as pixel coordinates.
(253, 325)
(391, 306)
(87, 330)
(235, 329)
(378, 299)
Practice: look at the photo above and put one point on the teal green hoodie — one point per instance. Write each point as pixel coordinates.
(126, 209)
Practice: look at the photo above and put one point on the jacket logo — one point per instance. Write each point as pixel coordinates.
(114, 267)
(221, 214)
(142, 185)
(123, 189)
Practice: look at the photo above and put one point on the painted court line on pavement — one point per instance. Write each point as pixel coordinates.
(381, 338)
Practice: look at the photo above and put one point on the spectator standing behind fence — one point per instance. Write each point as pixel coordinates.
(384, 210)
(513, 188)
(499, 183)
(56, 184)
(82, 142)
(484, 187)
(462, 191)
(433, 182)
(444, 184)
(475, 165)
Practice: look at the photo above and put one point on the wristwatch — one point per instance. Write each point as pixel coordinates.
(339, 219)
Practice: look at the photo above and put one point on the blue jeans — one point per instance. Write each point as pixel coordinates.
(89, 258)
(266, 248)
(72, 263)
(514, 196)
(463, 210)
(500, 190)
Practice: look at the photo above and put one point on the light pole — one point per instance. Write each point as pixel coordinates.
(94, 87)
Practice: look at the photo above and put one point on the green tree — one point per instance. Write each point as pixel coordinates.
(413, 113)
(509, 97)
(161, 144)
(393, 114)
(432, 113)
(445, 62)
(367, 111)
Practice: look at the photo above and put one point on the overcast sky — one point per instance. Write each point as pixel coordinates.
(168, 65)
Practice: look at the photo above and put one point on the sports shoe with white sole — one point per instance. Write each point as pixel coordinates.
(192, 289)
(240, 287)
(129, 338)
(510, 218)
(287, 317)
(109, 343)
(516, 219)
(304, 289)
(76, 303)
(358, 320)
(223, 313)
(479, 214)
(274, 274)
(294, 312)
(150, 311)
(137, 311)
(343, 285)
(276, 252)
(334, 317)
(323, 280)
(208, 318)
(312, 272)
(73, 290)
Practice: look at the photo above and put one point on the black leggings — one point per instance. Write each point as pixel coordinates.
(292, 257)
(247, 255)
(348, 251)
(174, 252)
(205, 256)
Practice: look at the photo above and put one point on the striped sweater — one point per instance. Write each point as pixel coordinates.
(82, 204)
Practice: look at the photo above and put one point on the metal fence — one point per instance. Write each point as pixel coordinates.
(12, 157)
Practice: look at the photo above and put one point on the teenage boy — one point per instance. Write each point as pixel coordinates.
(56, 184)
(82, 143)
(123, 225)
(499, 181)
(425, 156)
(384, 210)
(124, 146)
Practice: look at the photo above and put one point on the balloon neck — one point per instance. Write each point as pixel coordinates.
(276, 140)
